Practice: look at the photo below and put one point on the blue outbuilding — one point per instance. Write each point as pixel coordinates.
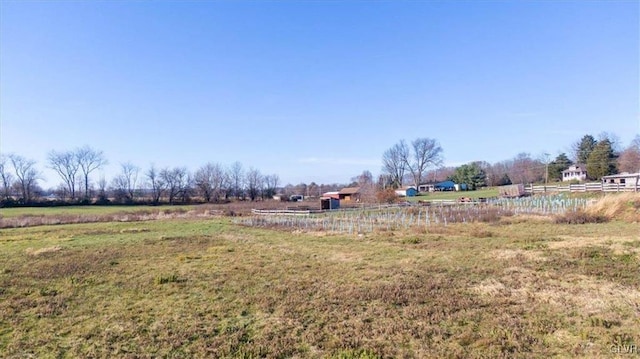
(445, 186)
(407, 192)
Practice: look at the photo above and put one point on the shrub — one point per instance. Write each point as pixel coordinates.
(580, 217)
(387, 196)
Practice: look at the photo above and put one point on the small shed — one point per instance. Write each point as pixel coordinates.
(427, 187)
(329, 203)
(349, 194)
(409, 191)
(332, 194)
(627, 180)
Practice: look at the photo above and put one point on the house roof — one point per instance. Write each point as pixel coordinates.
(428, 184)
(573, 168)
(446, 184)
(349, 190)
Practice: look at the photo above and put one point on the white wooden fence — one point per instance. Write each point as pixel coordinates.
(584, 187)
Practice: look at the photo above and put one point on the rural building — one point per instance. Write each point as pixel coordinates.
(427, 187)
(445, 186)
(409, 191)
(296, 198)
(627, 179)
(333, 194)
(461, 187)
(349, 194)
(328, 203)
(575, 172)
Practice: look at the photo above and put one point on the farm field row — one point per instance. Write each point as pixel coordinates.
(210, 288)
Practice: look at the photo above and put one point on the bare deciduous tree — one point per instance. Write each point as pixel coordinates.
(66, 166)
(629, 159)
(89, 160)
(254, 182)
(27, 175)
(524, 169)
(271, 185)
(236, 177)
(426, 153)
(5, 177)
(124, 183)
(102, 190)
(394, 162)
(367, 186)
(177, 183)
(155, 183)
(210, 181)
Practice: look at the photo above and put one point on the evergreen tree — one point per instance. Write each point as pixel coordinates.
(601, 161)
(561, 163)
(471, 174)
(584, 148)
(504, 180)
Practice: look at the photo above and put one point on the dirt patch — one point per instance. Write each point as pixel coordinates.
(578, 293)
(520, 254)
(37, 252)
(345, 257)
(617, 244)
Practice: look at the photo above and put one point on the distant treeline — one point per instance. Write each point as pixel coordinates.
(417, 162)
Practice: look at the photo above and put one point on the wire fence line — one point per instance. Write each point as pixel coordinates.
(369, 219)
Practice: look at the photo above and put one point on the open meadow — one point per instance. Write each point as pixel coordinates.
(207, 286)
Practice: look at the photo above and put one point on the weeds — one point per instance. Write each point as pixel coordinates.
(164, 279)
(580, 217)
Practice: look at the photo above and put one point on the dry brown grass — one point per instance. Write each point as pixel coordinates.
(205, 288)
(37, 252)
(619, 206)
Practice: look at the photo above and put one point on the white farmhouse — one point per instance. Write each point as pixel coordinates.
(575, 172)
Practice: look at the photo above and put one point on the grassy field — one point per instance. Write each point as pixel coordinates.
(86, 210)
(207, 288)
(429, 196)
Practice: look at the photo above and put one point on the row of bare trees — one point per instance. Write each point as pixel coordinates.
(74, 168)
(212, 182)
(18, 175)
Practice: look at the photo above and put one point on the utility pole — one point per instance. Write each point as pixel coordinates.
(546, 172)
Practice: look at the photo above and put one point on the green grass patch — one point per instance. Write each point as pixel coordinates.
(86, 210)
(449, 195)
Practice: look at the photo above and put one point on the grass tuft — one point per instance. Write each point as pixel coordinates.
(164, 279)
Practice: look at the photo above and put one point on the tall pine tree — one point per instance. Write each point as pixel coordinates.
(601, 161)
(584, 148)
(561, 163)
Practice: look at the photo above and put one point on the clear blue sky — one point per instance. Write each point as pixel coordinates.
(313, 91)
